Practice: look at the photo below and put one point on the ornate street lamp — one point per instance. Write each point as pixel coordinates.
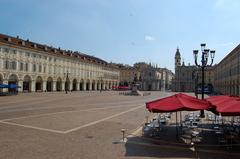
(204, 61)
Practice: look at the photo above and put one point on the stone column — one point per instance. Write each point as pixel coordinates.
(33, 85)
(96, 86)
(54, 86)
(78, 86)
(20, 84)
(154, 86)
(1, 62)
(104, 85)
(143, 86)
(63, 86)
(84, 86)
(70, 86)
(44, 86)
(157, 86)
(111, 84)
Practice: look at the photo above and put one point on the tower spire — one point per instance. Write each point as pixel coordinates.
(177, 58)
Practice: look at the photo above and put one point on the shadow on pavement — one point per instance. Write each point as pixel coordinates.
(139, 147)
(142, 147)
(165, 145)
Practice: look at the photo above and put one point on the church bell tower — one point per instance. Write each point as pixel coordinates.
(177, 58)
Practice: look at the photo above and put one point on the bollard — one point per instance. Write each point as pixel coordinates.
(146, 118)
(194, 150)
(123, 134)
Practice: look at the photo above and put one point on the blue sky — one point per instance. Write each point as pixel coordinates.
(126, 31)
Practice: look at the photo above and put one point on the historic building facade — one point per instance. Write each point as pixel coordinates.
(128, 74)
(149, 78)
(227, 74)
(187, 78)
(37, 67)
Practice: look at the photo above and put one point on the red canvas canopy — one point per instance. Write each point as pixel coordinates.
(231, 108)
(177, 102)
(216, 100)
(226, 105)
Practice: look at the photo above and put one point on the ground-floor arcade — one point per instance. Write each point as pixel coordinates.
(30, 83)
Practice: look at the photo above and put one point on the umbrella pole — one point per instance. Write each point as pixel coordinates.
(181, 119)
(176, 128)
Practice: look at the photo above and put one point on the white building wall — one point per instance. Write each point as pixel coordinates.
(78, 69)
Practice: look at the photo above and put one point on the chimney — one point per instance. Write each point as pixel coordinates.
(45, 48)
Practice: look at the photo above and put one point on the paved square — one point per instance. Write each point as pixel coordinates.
(74, 125)
(80, 125)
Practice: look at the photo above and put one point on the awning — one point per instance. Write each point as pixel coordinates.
(3, 86)
(177, 102)
(13, 86)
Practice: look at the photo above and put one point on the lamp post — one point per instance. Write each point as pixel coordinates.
(67, 79)
(195, 78)
(101, 80)
(204, 61)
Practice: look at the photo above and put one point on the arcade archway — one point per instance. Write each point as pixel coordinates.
(27, 83)
(59, 84)
(74, 88)
(88, 85)
(93, 85)
(39, 84)
(13, 80)
(81, 85)
(49, 84)
(67, 85)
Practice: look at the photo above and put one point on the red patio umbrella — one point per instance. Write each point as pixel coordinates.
(229, 108)
(226, 105)
(177, 102)
(216, 100)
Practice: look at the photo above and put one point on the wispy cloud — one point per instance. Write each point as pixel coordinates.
(149, 38)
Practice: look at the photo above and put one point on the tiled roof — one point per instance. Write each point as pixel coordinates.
(16, 41)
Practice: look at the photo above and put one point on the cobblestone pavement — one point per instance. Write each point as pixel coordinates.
(84, 125)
